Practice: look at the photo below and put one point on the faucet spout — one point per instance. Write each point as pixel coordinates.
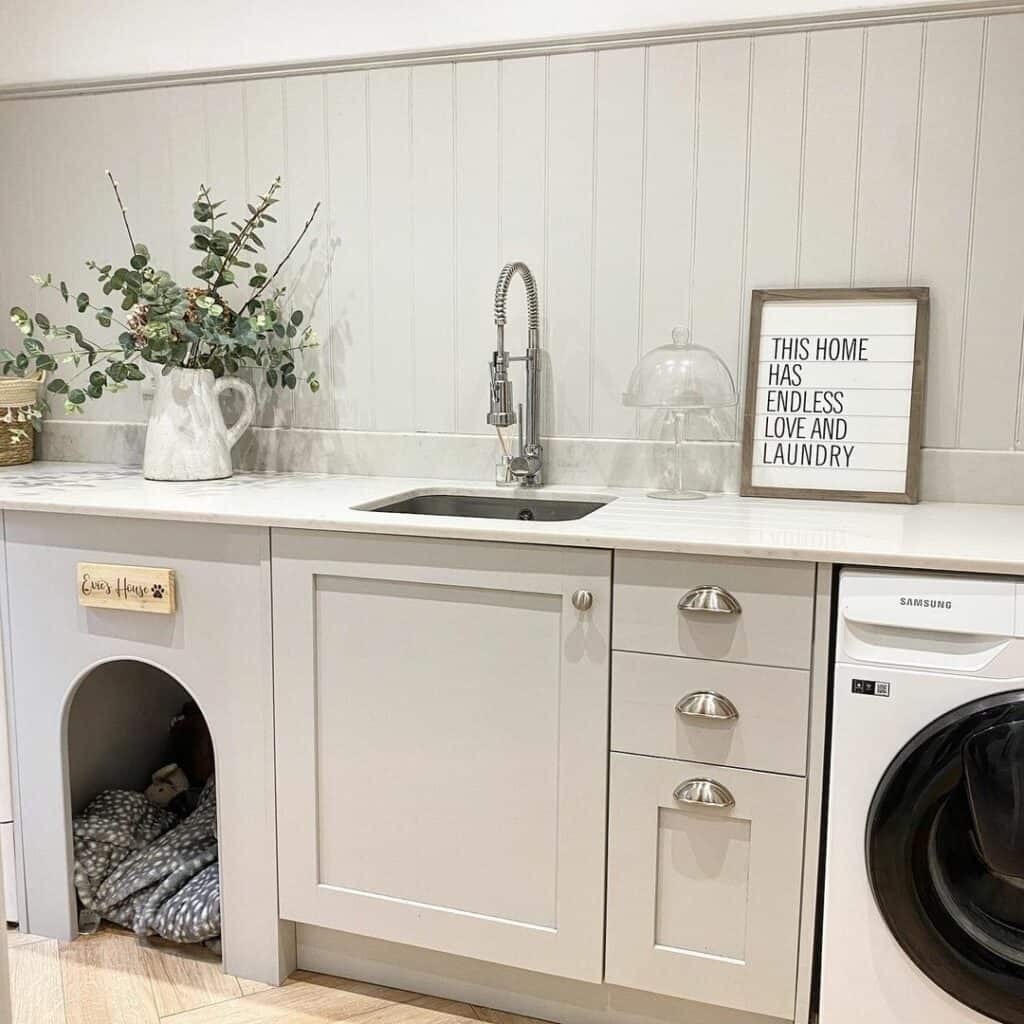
(527, 466)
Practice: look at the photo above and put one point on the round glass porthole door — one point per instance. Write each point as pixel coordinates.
(945, 853)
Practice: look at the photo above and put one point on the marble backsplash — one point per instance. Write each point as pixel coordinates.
(946, 474)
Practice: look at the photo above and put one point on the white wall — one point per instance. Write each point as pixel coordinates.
(646, 186)
(72, 39)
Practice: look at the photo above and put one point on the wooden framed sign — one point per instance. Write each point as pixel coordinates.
(835, 393)
(133, 588)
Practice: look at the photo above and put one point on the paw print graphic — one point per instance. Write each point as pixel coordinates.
(158, 591)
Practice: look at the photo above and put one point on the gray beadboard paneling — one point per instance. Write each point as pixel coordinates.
(944, 211)
(991, 356)
(646, 186)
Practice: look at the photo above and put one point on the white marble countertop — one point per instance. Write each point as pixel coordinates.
(978, 538)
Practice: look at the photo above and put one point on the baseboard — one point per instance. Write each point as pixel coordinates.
(462, 979)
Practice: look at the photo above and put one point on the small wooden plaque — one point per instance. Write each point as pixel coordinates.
(132, 588)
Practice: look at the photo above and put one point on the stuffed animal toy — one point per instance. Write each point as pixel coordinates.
(167, 783)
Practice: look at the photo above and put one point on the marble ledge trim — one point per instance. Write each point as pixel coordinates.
(946, 474)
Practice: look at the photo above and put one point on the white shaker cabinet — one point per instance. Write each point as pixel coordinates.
(704, 898)
(442, 723)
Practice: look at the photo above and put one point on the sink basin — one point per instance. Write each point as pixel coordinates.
(486, 506)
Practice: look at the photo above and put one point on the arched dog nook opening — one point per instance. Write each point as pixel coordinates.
(122, 720)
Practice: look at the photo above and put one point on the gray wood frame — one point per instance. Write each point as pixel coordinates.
(759, 297)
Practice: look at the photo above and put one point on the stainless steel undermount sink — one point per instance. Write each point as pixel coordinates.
(489, 506)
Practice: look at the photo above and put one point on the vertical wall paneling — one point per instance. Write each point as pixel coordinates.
(476, 236)
(831, 150)
(776, 141)
(618, 218)
(348, 205)
(995, 302)
(892, 76)
(157, 221)
(394, 361)
(644, 186)
(433, 242)
(228, 181)
(189, 167)
(570, 236)
(116, 140)
(265, 156)
(942, 221)
(719, 274)
(668, 187)
(43, 206)
(309, 288)
(523, 196)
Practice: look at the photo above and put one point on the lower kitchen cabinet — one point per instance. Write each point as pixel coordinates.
(704, 897)
(441, 731)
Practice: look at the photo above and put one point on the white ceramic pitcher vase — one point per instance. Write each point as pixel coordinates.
(186, 438)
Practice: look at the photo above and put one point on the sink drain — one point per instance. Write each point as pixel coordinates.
(526, 513)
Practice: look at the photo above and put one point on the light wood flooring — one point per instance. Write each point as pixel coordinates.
(107, 978)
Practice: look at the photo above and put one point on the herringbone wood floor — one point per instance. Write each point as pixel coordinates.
(108, 978)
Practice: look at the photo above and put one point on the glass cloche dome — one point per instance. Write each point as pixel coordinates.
(680, 379)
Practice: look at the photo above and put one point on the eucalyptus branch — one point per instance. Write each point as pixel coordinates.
(170, 325)
(124, 212)
(246, 232)
(288, 255)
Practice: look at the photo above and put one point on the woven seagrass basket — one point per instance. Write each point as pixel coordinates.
(15, 393)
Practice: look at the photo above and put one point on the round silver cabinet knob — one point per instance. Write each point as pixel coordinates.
(583, 600)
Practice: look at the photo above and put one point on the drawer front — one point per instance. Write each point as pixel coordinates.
(745, 716)
(765, 617)
(703, 900)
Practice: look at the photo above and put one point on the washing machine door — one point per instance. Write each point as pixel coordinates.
(945, 853)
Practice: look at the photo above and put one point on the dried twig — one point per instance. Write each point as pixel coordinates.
(124, 212)
(288, 255)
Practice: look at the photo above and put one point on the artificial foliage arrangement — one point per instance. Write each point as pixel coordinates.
(237, 316)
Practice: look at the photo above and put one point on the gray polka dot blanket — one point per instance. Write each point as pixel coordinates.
(137, 864)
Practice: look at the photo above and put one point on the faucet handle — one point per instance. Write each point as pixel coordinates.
(525, 467)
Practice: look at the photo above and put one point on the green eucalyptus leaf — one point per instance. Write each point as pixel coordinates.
(76, 396)
(82, 301)
(57, 386)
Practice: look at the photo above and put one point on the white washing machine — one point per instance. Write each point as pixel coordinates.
(924, 872)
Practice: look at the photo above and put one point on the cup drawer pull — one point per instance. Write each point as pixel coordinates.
(707, 704)
(713, 600)
(703, 793)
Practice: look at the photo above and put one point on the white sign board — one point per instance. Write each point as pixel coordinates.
(832, 400)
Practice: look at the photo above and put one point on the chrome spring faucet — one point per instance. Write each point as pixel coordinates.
(526, 467)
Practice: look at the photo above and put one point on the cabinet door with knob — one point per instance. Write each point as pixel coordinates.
(704, 871)
(442, 722)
